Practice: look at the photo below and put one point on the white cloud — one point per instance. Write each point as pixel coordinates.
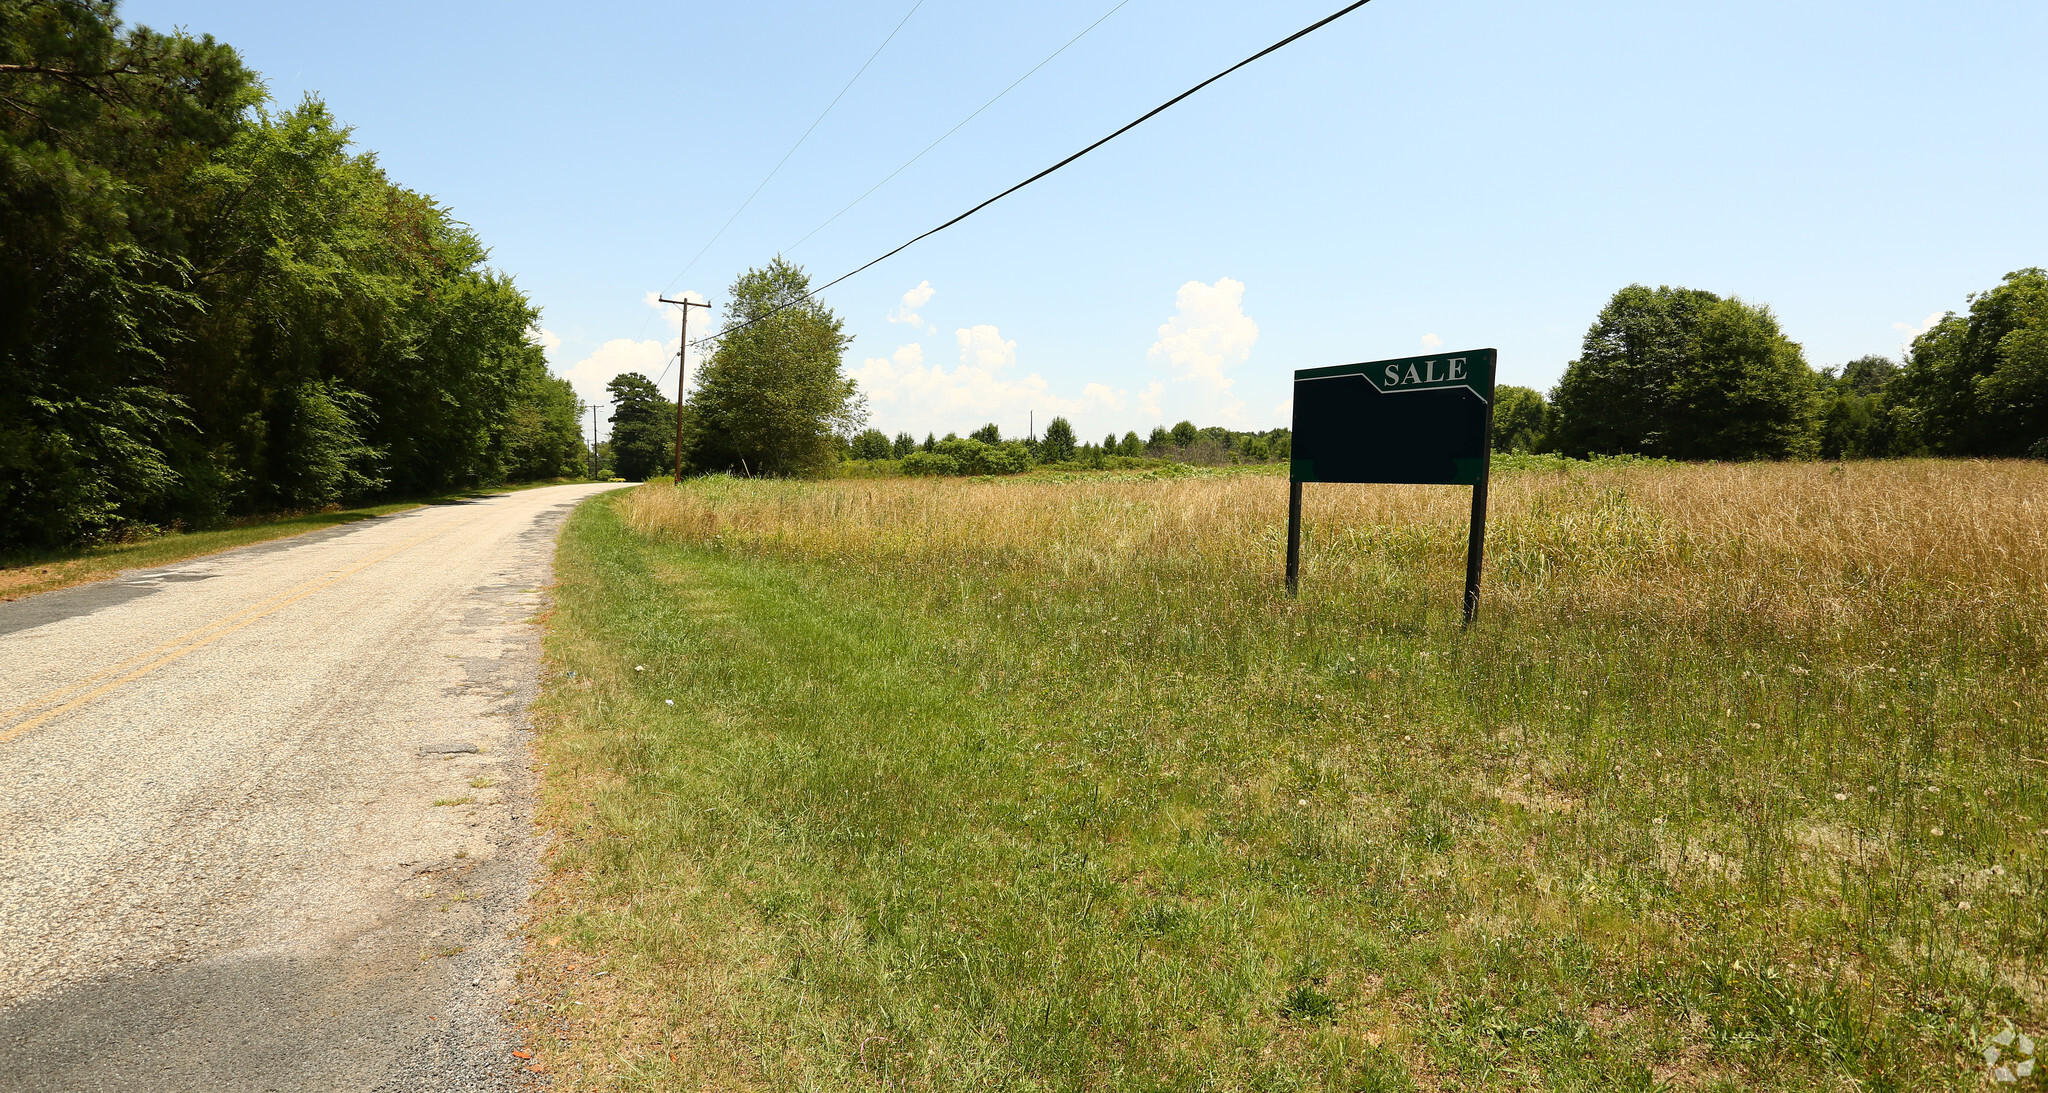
(912, 300)
(1207, 334)
(547, 339)
(1431, 341)
(590, 374)
(1927, 324)
(984, 347)
(904, 394)
(1148, 403)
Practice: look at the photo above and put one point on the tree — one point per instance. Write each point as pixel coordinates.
(872, 444)
(99, 133)
(209, 309)
(1686, 374)
(1130, 445)
(1520, 419)
(544, 435)
(1979, 385)
(1856, 421)
(1057, 446)
(773, 395)
(1185, 434)
(905, 444)
(643, 428)
(987, 434)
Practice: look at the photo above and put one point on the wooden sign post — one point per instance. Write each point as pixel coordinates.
(1414, 420)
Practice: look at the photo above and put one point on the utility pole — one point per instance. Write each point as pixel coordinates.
(682, 372)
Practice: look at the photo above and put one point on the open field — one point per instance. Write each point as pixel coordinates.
(26, 575)
(1738, 783)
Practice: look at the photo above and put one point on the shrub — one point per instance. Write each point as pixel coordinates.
(930, 463)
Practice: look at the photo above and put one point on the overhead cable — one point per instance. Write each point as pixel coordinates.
(956, 128)
(1142, 119)
(792, 148)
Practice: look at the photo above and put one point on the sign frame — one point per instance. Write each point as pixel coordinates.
(1438, 378)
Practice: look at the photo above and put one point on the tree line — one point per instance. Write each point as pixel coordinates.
(985, 451)
(773, 399)
(1676, 373)
(1686, 374)
(209, 308)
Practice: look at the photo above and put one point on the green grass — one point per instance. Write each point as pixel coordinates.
(26, 574)
(950, 818)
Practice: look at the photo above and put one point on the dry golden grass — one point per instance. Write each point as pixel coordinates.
(1932, 551)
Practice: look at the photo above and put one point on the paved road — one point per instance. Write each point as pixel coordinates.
(264, 816)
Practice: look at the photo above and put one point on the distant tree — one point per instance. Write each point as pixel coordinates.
(1159, 440)
(773, 396)
(643, 428)
(1130, 445)
(1868, 375)
(905, 444)
(1979, 385)
(1856, 420)
(1109, 444)
(1057, 446)
(931, 443)
(987, 434)
(871, 444)
(544, 436)
(1687, 374)
(1520, 419)
(1185, 434)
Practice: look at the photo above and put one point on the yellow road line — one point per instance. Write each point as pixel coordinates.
(191, 641)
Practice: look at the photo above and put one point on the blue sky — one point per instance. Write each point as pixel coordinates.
(1462, 173)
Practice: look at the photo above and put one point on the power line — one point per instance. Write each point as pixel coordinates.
(792, 148)
(963, 121)
(1141, 119)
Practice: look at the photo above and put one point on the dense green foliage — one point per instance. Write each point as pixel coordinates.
(209, 309)
(1521, 419)
(1686, 374)
(1058, 444)
(643, 428)
(773, 399)
(1979, 385)
(874, 444)
(1855, 419)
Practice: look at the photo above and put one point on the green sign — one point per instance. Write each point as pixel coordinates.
(1415, 420)
(1411, 420)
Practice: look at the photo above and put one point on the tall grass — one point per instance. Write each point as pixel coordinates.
(1737, 784)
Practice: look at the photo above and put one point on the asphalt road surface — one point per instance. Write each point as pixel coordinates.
(265, 816)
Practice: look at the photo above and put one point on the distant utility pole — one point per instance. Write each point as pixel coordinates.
(682, 372)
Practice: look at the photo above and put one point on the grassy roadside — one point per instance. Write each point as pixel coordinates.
(1047, 786)
(26, 575)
